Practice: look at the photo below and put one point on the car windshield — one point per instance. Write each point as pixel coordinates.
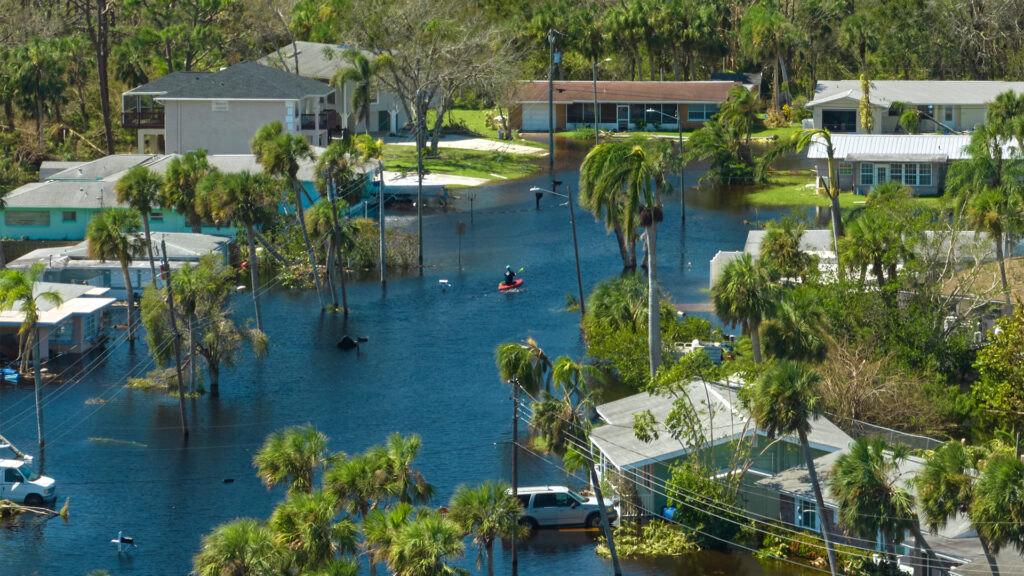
(579, 498)
(27, 473)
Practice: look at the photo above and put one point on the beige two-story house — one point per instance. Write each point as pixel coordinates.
(221, 111)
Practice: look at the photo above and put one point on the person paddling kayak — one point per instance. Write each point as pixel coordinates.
(510, 276)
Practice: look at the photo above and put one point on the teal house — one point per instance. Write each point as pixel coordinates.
(718, 413)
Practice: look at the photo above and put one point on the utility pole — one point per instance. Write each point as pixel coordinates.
(551, 113)
(165, 270)
(421, 129)
(597, 128)
(380, 214)
(682, 182)
(576, 250)
(515, 466)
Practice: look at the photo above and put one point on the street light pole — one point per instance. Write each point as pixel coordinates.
(551, 111)
(597, 128)
(575, 242)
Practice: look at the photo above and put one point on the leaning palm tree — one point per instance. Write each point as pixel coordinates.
(140, 189)
(113, 234)
(525, 363)
(280, 154)
(822, 137)
(180, 180)
(242, 547)
(866, 483)
(304, 526)
(380, 528)
(21, 288)
(424, 546)
(604, 198)
(291, 455)
(486, 512)
(244, 200)
(744, 293)
(333, 166)
(362, 74)
(322, 220)
(783, 401)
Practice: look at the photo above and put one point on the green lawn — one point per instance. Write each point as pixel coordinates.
(475, 121)
(790, 189)
(457, 162)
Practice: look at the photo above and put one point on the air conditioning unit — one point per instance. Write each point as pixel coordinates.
(948, 323)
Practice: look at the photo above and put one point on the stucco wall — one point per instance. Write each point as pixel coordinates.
(191, 125)
(386, 101)
(68, 230)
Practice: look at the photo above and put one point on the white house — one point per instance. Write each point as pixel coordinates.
(74, 327)
(946, 105)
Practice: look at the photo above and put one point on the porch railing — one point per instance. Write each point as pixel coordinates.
(143, 119)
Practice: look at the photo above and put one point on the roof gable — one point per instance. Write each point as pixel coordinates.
(249, 81)
(316, 60)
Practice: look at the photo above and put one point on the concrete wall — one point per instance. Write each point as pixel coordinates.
(191, 125)
(971, 116)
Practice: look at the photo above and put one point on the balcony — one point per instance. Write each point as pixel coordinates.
(135, 119)
(329, 120)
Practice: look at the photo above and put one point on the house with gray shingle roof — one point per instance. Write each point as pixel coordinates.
(221, 111)
(321, 62)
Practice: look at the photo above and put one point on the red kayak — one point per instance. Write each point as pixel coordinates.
(515, 284)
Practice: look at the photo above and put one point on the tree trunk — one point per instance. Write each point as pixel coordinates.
(993, 566)
(300, 214)
(149, 246)
(130, 300)
(101, 43)
(820, 502)
(775, 80)
(653, 310)
(755, 339)
(38, 377)
(335, 252)
(192, 357)
(270, 247)
(214, 369)
(1002, 266)
(254, 275)
(39, 114)
(627, 262)
(435, 135)
(604, 515)
(330, 272)
(489, 549)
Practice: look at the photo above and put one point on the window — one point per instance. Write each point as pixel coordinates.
(924, 174)
(27, 217)
(807, 515)
(701, 112)
(579, 113)
(910, 174)
(524, 499)
(947, 114)
(69, 216)
(11, 475)
(867, 174)
(331, 98)
(839, 120)
(219, 106)
(376, 97)
(156, 216)
(896, 173)
(845, 169)
(562, 500)
(608, 112)
(545, 500)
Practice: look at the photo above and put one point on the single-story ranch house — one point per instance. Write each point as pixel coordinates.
(621, 105)
(74, 327)
(947, 105)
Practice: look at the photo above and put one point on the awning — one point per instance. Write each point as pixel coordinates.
(886, 158)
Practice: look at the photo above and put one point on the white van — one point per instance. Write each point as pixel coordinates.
(20, 484)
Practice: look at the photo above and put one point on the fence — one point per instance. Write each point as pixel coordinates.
(857, 429)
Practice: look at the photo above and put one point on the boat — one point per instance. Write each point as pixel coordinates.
(10, 374)
(515, 284)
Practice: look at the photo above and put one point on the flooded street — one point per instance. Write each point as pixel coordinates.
(428, 368)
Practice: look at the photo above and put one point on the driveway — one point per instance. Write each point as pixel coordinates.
(469, 143)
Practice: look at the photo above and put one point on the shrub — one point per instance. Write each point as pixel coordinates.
(656, 539)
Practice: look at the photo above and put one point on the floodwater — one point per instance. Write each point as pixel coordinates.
(427, 368)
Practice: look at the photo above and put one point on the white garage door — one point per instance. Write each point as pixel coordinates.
(535, 118)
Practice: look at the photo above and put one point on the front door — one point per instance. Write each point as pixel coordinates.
(623, 117)
(383, 121)
(881, 173)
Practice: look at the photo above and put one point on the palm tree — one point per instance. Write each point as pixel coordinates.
(866, 484)
(744, 293)
(304, 526)
(403, 482)
(280, 154)
(39, 76)
(859, 33)
(244, 200)
(526, 363)
(242, 547)
(739, 111)
(783, 401)
(424, 545)
(604, 199)
(619, 303)
(780, 249)
(766, 33)
(487, 512)
(291, 455)
(333, 166)
(798, 327)
(322, 220)
(362, 74)
(997, 509)
(140, 189)
(357, 483)
(180, 181)
(996, 211)
(21, 288)
(113, 234)
(823, 137)
(380, 528)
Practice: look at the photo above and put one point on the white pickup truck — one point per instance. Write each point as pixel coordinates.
(20, 484)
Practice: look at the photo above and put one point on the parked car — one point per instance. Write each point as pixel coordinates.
(559, 506)
(21, 484)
